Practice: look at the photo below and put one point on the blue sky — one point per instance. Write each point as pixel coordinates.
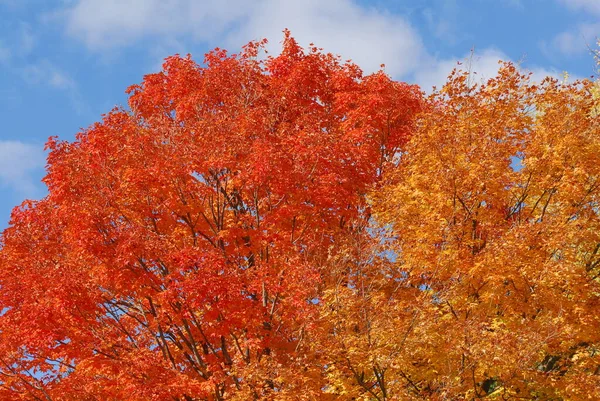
(65, 62)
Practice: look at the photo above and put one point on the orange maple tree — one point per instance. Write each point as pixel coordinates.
(181, 250)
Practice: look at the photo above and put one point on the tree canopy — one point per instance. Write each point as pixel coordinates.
(278, 228)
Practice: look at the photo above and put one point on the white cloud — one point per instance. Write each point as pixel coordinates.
(16, 59)
(518, 4)
(5, 54)
(59, 80)
(566, 43)
(444, 20)
(46, 73)
(366, 35)
(574, 42)
(539, 73)
(26, 39)
(9, 3)
(484, 65)
(103, 24)
(592, 6)
(19, 164)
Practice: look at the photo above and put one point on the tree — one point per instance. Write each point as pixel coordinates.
(182, 250)
(488, 284)
(286, 228)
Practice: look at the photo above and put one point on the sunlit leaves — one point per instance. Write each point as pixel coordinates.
(493, 212)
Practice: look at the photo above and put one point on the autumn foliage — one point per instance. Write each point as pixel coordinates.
(287, 228)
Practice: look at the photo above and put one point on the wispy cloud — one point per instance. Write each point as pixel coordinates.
(482, 64)
(592, 6)
(26, 39)
(574, 42)
(21, 165)
(46, 73)
(106, 24)
(577, 40)
(367, 35)
(5, 54)
(18, 59)
(443, 19)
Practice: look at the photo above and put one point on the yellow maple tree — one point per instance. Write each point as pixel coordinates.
(487, 284)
